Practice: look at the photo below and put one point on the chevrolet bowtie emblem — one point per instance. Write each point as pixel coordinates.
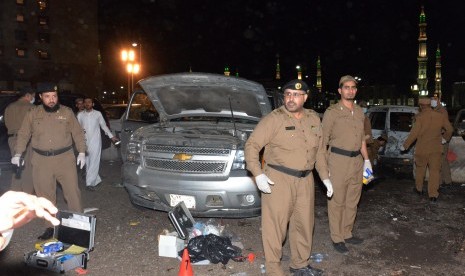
(182, 156)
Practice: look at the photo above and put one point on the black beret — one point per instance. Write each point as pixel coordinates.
(296, 85)
(46, 87)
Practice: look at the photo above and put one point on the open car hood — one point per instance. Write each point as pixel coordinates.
(203, 94)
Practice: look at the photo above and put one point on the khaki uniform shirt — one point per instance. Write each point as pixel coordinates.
(290, 142)
(50, 130)
(442, 110)
(427, 131)
(343, 128)
(368, 132)
(15, 113)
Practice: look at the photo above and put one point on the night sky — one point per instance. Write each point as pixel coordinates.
(374, 39)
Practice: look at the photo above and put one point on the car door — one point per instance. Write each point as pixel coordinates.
(140, 112)
(399, 125)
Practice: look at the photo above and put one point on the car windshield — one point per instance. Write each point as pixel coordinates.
(115, 112)
(401, 121)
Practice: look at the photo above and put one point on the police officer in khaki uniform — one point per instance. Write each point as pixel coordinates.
(14, 115)
(52, 129)
(428, 134)
(292, 138)
(343, 132)
(368, 132)
(446, 178)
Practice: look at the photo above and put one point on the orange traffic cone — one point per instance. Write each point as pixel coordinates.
(185, 269)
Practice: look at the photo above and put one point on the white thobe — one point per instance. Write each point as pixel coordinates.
(91, 122)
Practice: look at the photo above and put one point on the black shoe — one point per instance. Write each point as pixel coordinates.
(47, 234)
(354, 240)
(417, 192)
(306, 271)
(433, 199)
(340, 247)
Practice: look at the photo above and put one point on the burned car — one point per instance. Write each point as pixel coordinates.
(394, 121)
(183, 139)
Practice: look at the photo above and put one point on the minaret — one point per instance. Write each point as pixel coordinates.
(278, 68)
(422, 79)
(299, 72)
(438, 78)
(318, 74)
(226, 71)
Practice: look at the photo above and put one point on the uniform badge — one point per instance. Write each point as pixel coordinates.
(298, 86)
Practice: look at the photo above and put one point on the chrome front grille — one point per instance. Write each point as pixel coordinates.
(193, 166)
(188, 150)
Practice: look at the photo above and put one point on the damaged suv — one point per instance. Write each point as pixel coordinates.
(183, 138)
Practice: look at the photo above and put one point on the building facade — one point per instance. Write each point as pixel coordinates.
(50, 41)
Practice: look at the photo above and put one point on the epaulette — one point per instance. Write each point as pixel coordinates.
(65, 107)
(278, 111)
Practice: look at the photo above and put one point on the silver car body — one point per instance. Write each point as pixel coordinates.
(396, 122)
(194, 153)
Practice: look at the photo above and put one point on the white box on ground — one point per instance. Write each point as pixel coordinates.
(169, 246)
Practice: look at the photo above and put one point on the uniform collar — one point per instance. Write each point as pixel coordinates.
(290, 115)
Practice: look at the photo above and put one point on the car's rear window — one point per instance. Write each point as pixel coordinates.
(378, 120)
(401, 121)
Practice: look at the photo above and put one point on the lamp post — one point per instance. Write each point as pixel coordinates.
(132, 68)
(135, 44)
(128, 57)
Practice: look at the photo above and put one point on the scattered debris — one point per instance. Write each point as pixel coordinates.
(90, 209)
(399, 272)
(244, 222)
(81, 271)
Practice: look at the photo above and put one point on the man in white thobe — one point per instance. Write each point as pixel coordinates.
(91, 121)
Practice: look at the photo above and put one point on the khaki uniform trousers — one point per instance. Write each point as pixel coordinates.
(24, 183)
(47, 170)
(346, 174)
(432, 161)
(446, 177)
(292, 202)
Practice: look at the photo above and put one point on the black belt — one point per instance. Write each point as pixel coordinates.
(52, 152)
(345, 152)
(289, 171)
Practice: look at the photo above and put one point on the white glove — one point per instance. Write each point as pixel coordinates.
(263, 183)
(81, 160)
(443, 141)
(15, 160)
(329, 187)
(367, 165)
(402, 148)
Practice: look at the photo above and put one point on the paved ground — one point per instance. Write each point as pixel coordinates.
(404, 235)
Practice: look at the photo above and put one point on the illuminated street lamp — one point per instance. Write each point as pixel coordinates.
(132, 68)
(135, 44)
(128, 57)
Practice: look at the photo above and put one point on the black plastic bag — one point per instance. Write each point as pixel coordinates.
(214, 248)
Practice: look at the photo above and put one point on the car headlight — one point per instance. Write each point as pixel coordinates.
(239, 160)
(133, 151)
